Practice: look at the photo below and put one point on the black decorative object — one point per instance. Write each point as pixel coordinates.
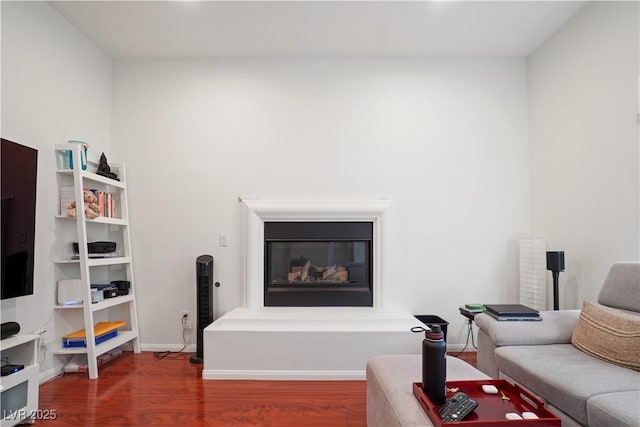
(105, 170)
(10, 329)
(555, 264)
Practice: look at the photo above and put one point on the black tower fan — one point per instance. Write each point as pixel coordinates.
(204, 299)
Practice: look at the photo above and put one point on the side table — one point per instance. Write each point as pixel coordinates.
(470, 315)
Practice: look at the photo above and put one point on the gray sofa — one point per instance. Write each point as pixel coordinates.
(581, 389)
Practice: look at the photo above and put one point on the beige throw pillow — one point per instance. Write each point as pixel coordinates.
(609, 334)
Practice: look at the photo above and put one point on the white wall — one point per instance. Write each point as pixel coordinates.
(446, 139)
(56, 86)
(583, 102)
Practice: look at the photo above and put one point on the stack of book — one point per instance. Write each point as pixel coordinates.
(470, 310)
(106, 201)
(512, 312)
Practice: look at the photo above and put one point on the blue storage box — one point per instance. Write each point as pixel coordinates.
(82, 342)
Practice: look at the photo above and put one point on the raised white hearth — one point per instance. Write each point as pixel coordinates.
(258, 342)
(294, 344)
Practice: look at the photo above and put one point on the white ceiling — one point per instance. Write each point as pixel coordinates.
(199, 29)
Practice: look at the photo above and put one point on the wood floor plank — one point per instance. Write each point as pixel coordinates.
(140, 390)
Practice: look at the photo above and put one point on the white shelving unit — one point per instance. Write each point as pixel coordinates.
(94, 270)
(19, 391)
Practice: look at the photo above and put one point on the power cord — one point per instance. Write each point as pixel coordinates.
(469, 334)
(42, 347)
(179, 353)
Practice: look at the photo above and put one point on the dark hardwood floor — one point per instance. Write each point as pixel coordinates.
(140, 390)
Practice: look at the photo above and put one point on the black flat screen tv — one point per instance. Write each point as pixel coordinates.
(18, 213)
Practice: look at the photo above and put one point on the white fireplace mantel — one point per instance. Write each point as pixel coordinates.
(257, 211)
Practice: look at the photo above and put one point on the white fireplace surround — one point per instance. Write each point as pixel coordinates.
(257, 211)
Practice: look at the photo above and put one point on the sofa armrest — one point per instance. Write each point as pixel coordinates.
(556, 327)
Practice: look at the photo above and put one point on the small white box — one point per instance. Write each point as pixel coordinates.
(489, 389)
(70, 292)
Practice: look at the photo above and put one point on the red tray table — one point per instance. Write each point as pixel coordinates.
(491, 407)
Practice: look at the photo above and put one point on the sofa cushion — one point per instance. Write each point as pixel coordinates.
(564, 376)
(609, 334)
(621, 288)
(614, 410)
(556, 327)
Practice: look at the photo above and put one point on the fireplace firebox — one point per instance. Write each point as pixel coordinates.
(314, 264)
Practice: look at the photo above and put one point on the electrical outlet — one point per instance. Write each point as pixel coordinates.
(185, 319)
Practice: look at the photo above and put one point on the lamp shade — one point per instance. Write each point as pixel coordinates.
(555, 261)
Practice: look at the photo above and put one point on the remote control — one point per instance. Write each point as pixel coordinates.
(451, 402)
(457, 407)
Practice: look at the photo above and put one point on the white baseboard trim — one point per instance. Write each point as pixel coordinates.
(191, 348)
(49, 374)
(211, 374)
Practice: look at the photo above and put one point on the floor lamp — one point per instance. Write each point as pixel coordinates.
(555, 263)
